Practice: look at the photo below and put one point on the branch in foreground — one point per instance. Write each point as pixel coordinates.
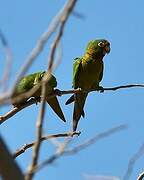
(95, 139)
(36, 149)
(8, 54)
(141, 176)
(81, 146)
(44, 138)
(60, 93)
(41, 43)
(132, 162)
(39, 131)
(15, 110)
(8, 167)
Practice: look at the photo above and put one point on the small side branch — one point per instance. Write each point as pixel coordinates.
(132, 162)
(123, 87)
(8, 60)
(15, 110)
(80, 147)
(44, 138)
(58, 92)
(95, 139)
(39, 132)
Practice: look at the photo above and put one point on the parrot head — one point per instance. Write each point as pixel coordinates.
(98, 47)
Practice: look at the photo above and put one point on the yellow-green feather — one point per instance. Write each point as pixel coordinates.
(28, 82)
(87, 73)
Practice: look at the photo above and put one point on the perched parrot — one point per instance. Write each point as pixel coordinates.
(87, 74)
(28, 82)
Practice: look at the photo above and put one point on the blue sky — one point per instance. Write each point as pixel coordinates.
(120, 22)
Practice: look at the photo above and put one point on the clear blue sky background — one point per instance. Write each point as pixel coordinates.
(122, 23)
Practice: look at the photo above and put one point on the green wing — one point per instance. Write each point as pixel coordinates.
(52, 81)
(25, 84)
(28, 82)
(76, 69)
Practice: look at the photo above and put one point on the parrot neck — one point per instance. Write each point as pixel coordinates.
(93, 56)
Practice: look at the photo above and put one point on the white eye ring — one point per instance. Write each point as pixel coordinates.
(101, 44)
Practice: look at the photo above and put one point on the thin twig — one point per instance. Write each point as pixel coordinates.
(141, 176)
(60, 151)
(132, 162)
(123, 87)
(34, 89)
(81, 146)
(63, 20)
(41, 43)
(15, 110)
(58, 93)
(44, 138)
(39, 129)
(8, 53)
(66, 12)
(95, 139)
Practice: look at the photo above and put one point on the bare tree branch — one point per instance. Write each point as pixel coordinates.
(141, 176)
(58, 92)
(8, 167)
(132, 162)
(15, 110)
(95, 139)
(36, 148)
(44, 138)
(66, 12)
(63, 19)
(8, 53)
(60, 18)
(123, 87)
(81, 146)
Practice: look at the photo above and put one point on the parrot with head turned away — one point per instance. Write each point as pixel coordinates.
(32, 80)
(87, 74)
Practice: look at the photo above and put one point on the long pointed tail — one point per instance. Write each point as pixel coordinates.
(70, 100)
(78, 108)
(54, 104)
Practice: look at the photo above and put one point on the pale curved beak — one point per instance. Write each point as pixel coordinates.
(107, 48)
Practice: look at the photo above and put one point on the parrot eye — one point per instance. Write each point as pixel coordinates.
(101, 44)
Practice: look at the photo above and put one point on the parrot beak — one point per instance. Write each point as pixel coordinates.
(107, 48)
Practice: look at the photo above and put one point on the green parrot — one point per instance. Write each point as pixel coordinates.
(87, 74)
(28, 82)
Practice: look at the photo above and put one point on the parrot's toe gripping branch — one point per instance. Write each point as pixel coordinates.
(74, 133)
(101, 89)
(58, 92)
(79, 90)
(37, 100)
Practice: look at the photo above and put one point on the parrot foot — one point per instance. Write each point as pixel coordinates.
(100, 89)
(36, 100)
(75, 133)
(58, 92)
(79, 89)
